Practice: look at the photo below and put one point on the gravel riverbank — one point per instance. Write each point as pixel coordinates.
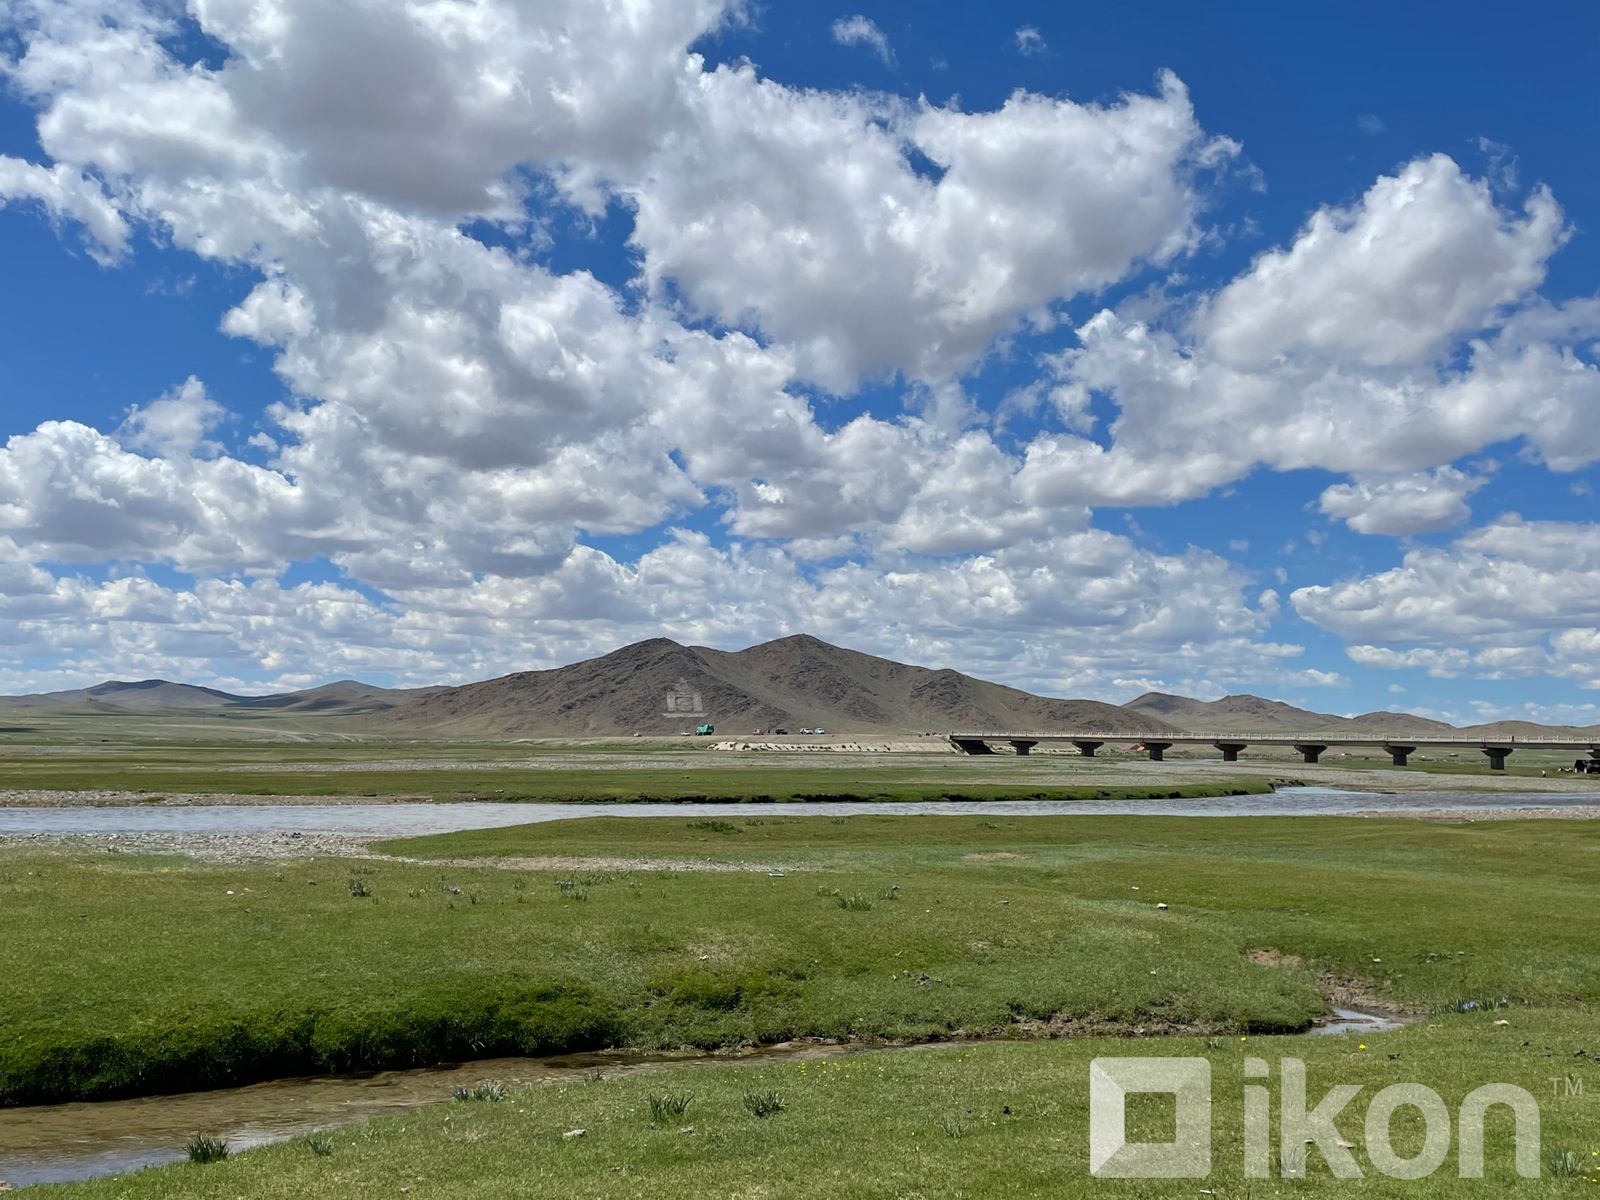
(42, 798)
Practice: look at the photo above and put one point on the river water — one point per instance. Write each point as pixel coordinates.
(404, 820)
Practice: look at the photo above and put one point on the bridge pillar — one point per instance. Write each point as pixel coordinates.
(1022, 745)
(1157, 749)
(1309, 751)
(1399, 753)
(973, 746)
(1497, 756)
(1230, 750)
(1087, 749)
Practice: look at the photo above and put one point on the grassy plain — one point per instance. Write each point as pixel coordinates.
(124, 975)
(146, 756)
(555, 772)
(1005, 1120)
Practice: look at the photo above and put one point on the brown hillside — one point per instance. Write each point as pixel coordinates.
(793, 682)
(1233, 714)
(1400, 722)
(1252, 714)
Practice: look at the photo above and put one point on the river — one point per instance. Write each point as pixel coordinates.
(405, 820)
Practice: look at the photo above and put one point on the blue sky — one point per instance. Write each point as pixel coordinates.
(1092, 348)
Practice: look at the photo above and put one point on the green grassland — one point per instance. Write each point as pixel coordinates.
(557, 772)
(960, 1121)
(168, 755)
(123, 974)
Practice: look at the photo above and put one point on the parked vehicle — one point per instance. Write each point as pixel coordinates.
(781, 730)
(703, 730)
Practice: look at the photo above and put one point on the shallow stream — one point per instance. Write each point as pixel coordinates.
(58, 1142)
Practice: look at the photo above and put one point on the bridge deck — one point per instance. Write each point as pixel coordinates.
(1311, 745)
(1284, 739)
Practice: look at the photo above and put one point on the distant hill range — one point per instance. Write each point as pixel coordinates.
(1252, 714)
(347, 697)
(662, 687)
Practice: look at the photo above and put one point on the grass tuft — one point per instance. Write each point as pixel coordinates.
(763, 1104)
(205, 1149)
(1564, 1164)
(714, 826)
(670, 1107)
(490, 1090)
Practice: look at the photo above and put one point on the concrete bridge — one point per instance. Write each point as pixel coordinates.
(1310, 745)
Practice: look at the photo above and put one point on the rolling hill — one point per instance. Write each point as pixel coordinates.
(146, 694)
(154, 696)
(1253, 714)
(795, 682)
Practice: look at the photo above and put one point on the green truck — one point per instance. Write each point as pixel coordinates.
(702, 730)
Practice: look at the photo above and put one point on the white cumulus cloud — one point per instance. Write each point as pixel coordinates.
(861, 31)
(1402, 504)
